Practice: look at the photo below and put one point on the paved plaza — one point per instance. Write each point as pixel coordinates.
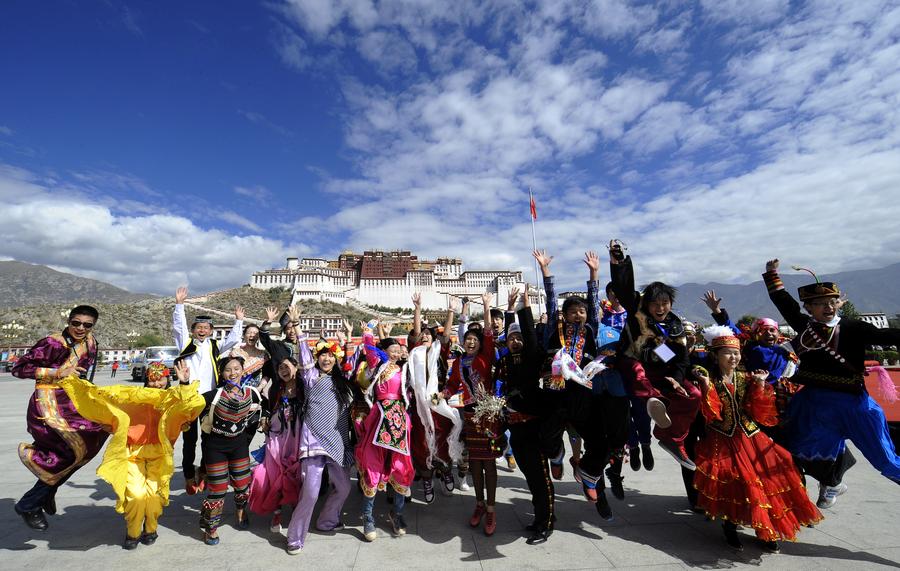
(652, 528)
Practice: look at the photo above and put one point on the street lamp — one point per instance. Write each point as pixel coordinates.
(11, 331)
(132, 337)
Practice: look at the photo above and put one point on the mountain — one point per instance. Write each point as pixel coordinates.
(23, 284)
(869, 290)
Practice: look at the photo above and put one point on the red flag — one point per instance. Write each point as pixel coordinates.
(533, 207)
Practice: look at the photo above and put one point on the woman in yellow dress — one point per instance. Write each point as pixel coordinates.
(145, 422)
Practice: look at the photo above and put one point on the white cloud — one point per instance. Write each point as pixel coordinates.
(789, 105)
(4, 130)
(258, 192)
(741, 12)
(143, 253)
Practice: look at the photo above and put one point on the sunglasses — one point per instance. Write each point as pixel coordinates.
(76, 324)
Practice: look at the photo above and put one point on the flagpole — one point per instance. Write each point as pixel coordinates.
(538, 282)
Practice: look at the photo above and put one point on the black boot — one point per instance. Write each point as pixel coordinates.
(648, 456)
(731, 536)
(615, 483)
(634, 457)
(603, 507)
(35, 520)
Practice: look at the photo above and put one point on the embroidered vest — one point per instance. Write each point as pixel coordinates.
(191, 348)
(733, 415)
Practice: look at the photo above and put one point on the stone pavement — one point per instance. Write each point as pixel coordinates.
(652, 528)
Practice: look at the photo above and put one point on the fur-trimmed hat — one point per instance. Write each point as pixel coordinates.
(720, 337)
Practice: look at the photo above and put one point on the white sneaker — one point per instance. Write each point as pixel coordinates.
(828, 495)
(462, 483)
(275, 523)
(656, 409)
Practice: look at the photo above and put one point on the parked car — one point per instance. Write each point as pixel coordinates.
(164, 354)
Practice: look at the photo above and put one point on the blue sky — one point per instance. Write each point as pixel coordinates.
(165, 143)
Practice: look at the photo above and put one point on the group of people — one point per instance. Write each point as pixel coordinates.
(747, 416)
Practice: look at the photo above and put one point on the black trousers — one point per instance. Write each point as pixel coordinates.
(695, 433)
(35, 498)
(189, 450)
(828, 472)
(525, 440)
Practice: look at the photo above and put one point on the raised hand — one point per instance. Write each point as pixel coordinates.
(239, 313)
(182, 372)
(543, 261)
(453, 304)
(348, 327)
(486, 299)
(512, 299)
(181, 294)
(592, 260)
(616, 251)
(712, 302)
(294, 313)
(272, 313)
(342, 339)
(417, 300)
(772, 265)
(526, 299)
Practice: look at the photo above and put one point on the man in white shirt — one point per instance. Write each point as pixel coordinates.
(200, 352)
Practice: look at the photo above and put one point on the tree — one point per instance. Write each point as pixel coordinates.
(145, 340)
(849, 311)
(747, 320)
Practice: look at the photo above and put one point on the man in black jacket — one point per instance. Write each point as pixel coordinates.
(519, 371)
(833, 405)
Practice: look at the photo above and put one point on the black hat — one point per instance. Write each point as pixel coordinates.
(203, 319)
(818, 289)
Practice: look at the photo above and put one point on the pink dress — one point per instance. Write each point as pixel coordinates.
(383, 453)
(276, 481)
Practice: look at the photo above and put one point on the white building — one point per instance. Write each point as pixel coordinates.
(879, 320)
(388, 279)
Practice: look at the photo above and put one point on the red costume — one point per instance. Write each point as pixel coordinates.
(742, 476)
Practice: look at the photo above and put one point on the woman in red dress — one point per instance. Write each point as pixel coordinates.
(742, 476)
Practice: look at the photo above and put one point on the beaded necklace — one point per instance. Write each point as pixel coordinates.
(819, 343)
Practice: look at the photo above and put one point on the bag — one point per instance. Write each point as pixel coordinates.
(207, 419)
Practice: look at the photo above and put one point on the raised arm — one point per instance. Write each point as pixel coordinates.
(787, 306)
(718, 313)
(543, 261)
(487, 345)
(179, 321)
(463, 320)
(448, 322)
(237, 330)
(509, 316)
(592, 260)
(622, 274)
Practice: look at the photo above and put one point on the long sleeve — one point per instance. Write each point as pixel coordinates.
(233, 337)
(41, 361)
(722, 318)
(622, 275)
(180, 327)
(787, 306)
(876, 336)
(180, 405)
(759, 403)
(593, 298)
(552, 309)
(307, 363)
(462, 327)
(710, 404)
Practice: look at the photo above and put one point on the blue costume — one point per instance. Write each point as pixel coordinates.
(833, 405)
